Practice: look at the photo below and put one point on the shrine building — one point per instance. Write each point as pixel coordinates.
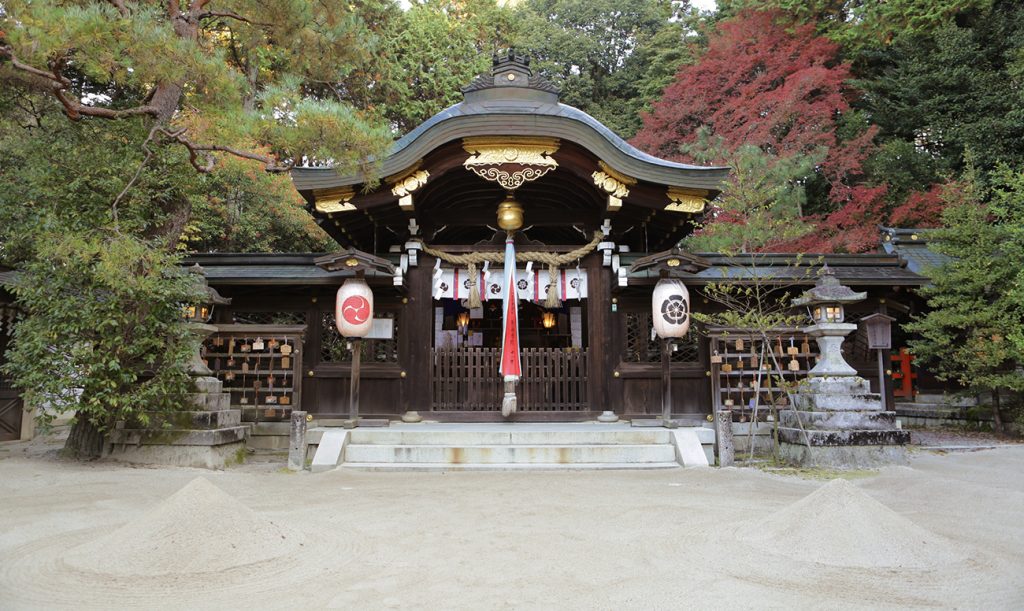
(594, 223)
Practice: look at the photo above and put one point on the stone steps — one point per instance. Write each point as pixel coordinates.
(509, 466)
(502, 446)
(525, 437)
(509, 454)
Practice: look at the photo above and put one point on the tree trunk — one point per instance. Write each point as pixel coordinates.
(85, 441)
(997, 420)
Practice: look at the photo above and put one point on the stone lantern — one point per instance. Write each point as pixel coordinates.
(198, 316)
(826, 301)
(837, 421)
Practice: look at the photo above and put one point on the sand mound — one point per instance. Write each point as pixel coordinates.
(198, 529)
(840, 525)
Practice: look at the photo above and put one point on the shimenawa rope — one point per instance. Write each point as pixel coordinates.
(552, 260)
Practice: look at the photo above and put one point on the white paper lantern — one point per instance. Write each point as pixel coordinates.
(670, 308)
(353, 309)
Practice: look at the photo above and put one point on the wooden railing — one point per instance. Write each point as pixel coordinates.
(467, 379)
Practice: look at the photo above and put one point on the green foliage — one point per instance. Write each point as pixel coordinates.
(65, 176)
(247, 76)
(102, 333)
(238, 208)
(761, 208)
(861, 24)
(611, 58)
(953, 90)
(758, 299)
(973, 330)
(426, 54)
(243, 209)
(905, 168)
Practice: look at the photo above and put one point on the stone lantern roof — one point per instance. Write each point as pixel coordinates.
(829, 290)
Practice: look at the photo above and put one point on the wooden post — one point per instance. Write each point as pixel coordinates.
(881, 381)
(666, 381)
(353, 393)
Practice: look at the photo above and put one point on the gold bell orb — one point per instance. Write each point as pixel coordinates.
(510, 214)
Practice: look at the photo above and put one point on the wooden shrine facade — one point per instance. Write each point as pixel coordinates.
(582, 206)
(287, 299)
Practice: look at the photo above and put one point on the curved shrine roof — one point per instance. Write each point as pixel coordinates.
(512, 101)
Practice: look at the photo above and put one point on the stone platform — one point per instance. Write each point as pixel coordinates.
(210, 435)
(839, 423)
(513, 446)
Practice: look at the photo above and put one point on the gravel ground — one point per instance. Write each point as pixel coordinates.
(612, 539)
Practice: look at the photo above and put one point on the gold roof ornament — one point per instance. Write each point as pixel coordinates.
(686, 200)
(510, 161)
(614, 184)
(330, 201)
(510, 213)
(405, 183)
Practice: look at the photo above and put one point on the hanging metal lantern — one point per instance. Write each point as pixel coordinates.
(353, 310)
(547, 320)
(670, 308)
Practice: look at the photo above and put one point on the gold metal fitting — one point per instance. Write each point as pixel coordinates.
(510, 214)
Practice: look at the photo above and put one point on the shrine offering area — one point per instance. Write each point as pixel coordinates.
(944, 532)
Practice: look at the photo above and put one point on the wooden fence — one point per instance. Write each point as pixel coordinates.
(467, 379)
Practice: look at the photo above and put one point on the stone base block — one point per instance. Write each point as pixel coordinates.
(210, 401)
(197, 419)
(835, 393)
(209, 384)
(206, 457)
(837, 438)
(268, 442)
(843, 457)
(178, 437)
(840, 420)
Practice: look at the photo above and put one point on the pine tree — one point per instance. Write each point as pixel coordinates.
(973, 330)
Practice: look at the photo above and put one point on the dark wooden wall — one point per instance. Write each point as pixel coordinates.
(631, 389)
(638, 388)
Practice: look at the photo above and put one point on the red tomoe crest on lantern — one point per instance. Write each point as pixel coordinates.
(353, 309)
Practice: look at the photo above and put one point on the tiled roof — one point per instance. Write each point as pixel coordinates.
(856, 270)
(911, 245)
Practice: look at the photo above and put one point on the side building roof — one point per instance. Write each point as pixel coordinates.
(912, 245)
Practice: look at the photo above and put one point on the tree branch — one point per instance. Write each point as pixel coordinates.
(57, 84)
(75, 110)
(231, 15)
(196, 150)
(121, 7)
(56, 79)
(196, 8)
(138, 172)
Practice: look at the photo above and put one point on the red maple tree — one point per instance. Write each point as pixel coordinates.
(761, 82)
(768, 82)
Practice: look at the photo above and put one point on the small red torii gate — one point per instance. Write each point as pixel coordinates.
(903, 373)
